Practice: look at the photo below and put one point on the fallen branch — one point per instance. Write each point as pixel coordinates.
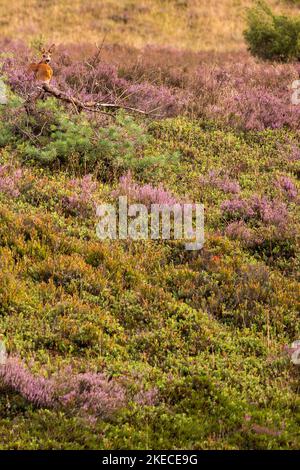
(93, 106)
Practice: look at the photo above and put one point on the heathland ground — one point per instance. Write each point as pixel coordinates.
(124, 345)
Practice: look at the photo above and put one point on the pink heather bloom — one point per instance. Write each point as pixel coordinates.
(90, 394)
(239, 230)
(238, 208)
(147, 397)
(233, 88)
(287, 186)
(82, 199)
(294, 155)
(265, 430)
(143, 194)
(273, 212)
(101, 83)
(9, 180)
(37, 390)
(221, 182)
(87, 392)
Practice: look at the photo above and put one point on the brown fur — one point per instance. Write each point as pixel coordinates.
(42, 70)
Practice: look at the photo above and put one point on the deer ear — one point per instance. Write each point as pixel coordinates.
(51, 48)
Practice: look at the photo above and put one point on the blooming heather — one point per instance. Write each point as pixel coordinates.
(239, 91)
(273, 212)
(91, 393)
(238, 208)
(221, 182)
(9, 180)
(37, 390)
(143, 194)
(147, 397)
(86, 392)
(101, 83)
(239, 230)
(82, 199)
(287, 186)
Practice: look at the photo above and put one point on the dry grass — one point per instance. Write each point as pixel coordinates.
(194, 24)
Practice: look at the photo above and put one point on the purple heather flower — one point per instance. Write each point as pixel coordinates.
(87, 392)
(144, 194)
(273, 212)
(221, 182)
(239, 230)
(9, 180)
(286, 184)
(82, 199)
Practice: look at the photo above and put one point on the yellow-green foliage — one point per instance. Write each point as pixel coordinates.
(206, 329)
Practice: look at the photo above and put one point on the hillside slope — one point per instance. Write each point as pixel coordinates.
(143, 344)
(193, 24)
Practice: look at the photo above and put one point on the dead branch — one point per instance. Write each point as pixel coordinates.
(93, 106)
(34, 139)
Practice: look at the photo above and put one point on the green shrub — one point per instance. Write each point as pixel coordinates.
(52, 138)
(6, 114)
(272, 37)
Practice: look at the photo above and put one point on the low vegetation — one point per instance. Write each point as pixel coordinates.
(144, 345)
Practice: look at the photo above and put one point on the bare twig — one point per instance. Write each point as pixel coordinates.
(92, 62)
(29, 136)
(95, 60)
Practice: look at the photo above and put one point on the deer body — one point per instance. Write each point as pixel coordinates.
(42, 70)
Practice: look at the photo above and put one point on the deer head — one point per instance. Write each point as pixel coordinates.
(46, 54)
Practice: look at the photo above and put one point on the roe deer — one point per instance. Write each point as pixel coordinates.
(42, 71)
